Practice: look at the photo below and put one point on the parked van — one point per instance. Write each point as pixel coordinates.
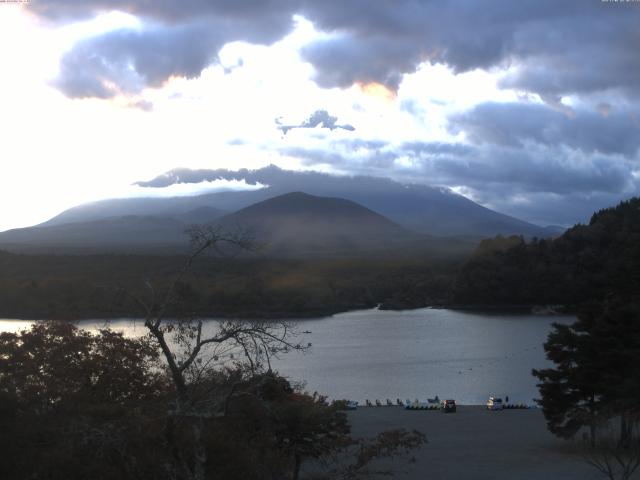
(494, 403)
(448, 406)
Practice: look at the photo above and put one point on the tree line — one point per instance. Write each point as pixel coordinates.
(593, 389)
(587, 262)
(90, 286)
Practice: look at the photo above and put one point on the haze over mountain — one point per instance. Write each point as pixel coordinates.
(135, 233)
(186, 209)
(421, 208)
(129, 233)
(290, 225)
(298, 223)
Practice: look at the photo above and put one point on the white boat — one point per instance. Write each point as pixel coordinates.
(352, 405)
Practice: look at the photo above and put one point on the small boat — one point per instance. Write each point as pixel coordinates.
(352, 405)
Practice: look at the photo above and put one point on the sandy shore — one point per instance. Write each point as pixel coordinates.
(478, 444)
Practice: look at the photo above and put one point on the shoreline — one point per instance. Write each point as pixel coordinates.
(312, 314)
(250, 315)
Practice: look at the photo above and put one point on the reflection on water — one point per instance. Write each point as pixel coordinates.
(128, 326)
(408, 354)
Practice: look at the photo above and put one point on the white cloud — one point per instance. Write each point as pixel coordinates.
(57, 152)
(187, 189)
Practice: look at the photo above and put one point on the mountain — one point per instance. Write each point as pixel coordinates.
(298, 223)
(131, 233)
(421, 208)
(184, 209)
(295, 224)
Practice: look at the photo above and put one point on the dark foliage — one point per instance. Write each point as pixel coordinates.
(76, 406)
(587, 262)
(69, 404)
(613, 460)
(72, 287)
(595, 378)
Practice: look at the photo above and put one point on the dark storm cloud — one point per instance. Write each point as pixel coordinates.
(558, 48)
(127, 60)
(536, 169)
(272, 12)
(595, 51)
(504, 177)
(540, 170)
(343, 61)
(516, 124)
(176, 39)
(554, 48)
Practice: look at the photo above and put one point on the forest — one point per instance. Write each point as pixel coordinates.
(93, 286)
(586, 263)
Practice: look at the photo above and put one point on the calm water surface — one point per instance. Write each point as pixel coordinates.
(408, 354)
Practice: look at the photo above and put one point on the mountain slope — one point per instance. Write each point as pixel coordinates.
(130, 233)
(297, 223)
(184, 209)
(425, 209)
(133, 233)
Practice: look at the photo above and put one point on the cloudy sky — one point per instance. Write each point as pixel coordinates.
(529, 107)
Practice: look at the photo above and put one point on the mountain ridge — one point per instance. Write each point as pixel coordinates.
(295, 224)
(422, 208)
(299, 222)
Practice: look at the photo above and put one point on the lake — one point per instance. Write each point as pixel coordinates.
(408, 354)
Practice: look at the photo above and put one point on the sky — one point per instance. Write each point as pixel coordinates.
(531, 108)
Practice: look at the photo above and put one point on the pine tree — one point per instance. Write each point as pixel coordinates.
(595, 378)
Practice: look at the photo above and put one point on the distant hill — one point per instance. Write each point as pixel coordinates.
(298, 223)
(184, 209)
(587, 263)
(129, 233)
(295, 224)
(421, 208)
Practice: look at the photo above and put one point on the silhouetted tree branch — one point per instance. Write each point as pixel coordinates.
(184, 343)
(616, 459)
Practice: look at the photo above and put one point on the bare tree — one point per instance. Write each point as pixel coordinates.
(193, 351)
(615, 454)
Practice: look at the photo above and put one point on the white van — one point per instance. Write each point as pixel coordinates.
(494, 403)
